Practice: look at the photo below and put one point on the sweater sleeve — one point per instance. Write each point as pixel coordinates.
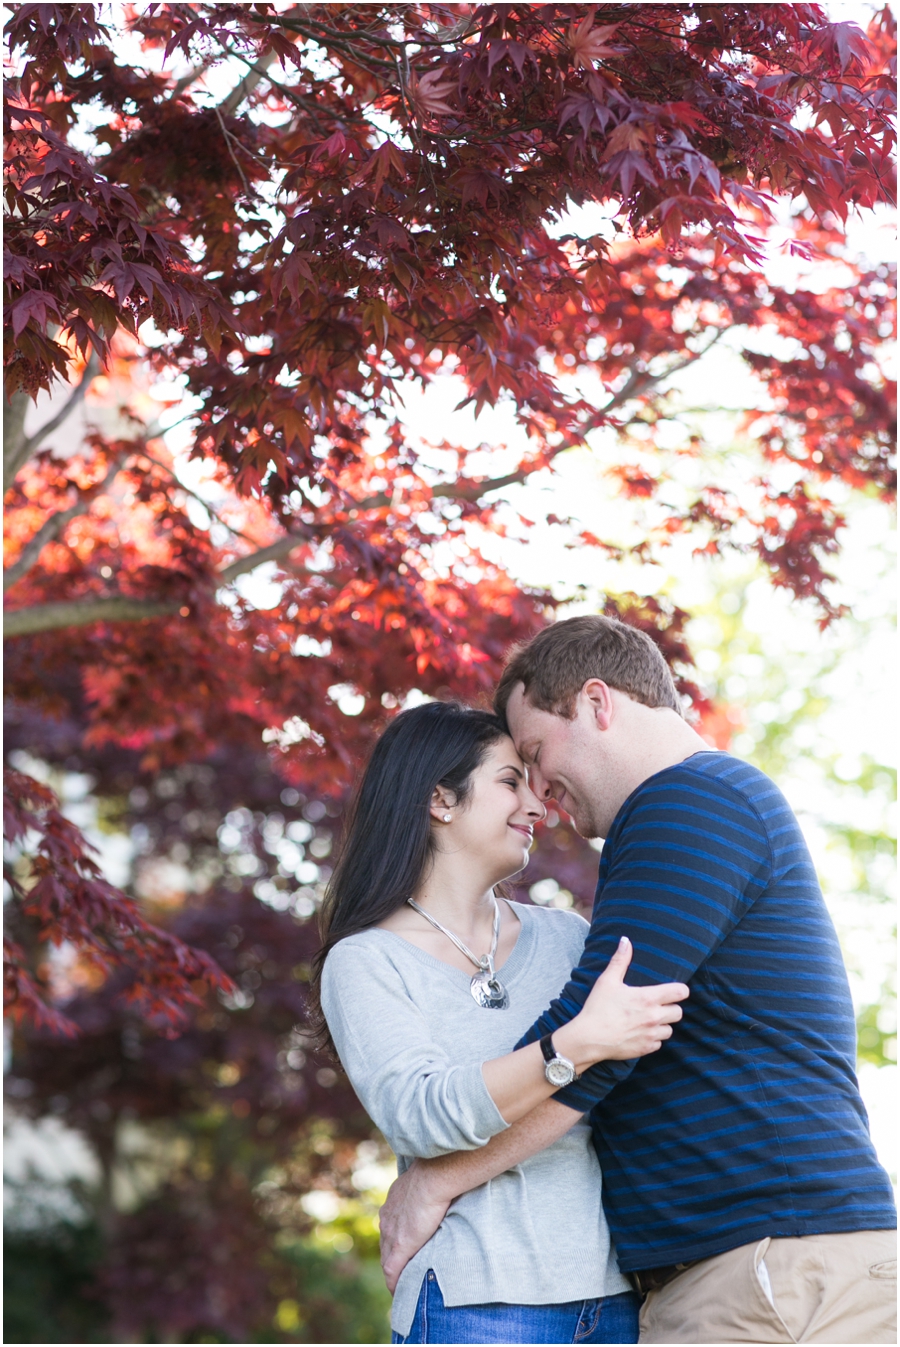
(680, 870)
(424, 1105)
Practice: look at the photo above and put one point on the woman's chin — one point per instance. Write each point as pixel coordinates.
(515, 867)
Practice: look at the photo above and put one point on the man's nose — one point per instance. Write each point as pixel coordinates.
(539, 786)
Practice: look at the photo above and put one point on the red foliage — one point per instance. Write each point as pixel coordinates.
(360, 197)
(368, 204)
(160, 1274)
(240, 1088)
(378, 618)
(64, 899)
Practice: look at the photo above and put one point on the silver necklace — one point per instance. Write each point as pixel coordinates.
(486, 987)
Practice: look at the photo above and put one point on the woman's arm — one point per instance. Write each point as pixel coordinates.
(425, 1105)
(616, 1023)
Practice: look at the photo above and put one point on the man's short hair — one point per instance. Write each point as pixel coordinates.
(555, 665)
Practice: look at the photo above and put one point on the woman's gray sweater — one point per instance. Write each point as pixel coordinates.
(412, 1040)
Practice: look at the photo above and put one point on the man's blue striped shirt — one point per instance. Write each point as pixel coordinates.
(748, 1122)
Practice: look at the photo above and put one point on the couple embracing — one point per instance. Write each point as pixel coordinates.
(649, 1125)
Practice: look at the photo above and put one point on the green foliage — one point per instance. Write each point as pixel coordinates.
(777, 688)
(47, 1280)
(341, 1295)
(877, 1025)
(338, 1291)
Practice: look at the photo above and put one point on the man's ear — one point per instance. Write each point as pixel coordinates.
(600, 700)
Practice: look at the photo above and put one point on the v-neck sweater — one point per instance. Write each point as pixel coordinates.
(412, 1039)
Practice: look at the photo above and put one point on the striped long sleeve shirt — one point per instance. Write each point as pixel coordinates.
(748, 1122)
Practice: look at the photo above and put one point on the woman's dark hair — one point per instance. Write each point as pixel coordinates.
(388, 840)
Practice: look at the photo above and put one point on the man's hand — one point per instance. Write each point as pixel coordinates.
(410, 1216)
(419, 1199)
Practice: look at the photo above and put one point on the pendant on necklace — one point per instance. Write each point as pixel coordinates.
(489, 992)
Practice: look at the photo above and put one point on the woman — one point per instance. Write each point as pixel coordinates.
(426, 981)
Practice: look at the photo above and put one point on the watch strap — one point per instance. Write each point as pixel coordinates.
(547, 1047)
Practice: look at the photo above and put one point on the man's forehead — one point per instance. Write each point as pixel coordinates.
(523, 716)
(518, 703)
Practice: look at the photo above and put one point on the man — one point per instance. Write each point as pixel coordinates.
(739, 1180)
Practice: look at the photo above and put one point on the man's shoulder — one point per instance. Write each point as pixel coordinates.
(713, 798)
(715, 775)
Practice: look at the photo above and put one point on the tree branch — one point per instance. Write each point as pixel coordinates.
(52, 527)
(257, 73)
(13, 434)
(470, 489)
(207, 505)
(690, 359)
(280, 548)
(304, 104)
(324, 39)
(640, 380)
(377, 37)
(47, 617)
(18, 452)
(120, 607)
(227, 136)
(473, 489)
(81, 612)
(187, 80)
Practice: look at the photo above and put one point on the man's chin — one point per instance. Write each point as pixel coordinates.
(585, 826)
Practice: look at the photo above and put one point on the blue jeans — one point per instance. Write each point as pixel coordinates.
(610, 1319)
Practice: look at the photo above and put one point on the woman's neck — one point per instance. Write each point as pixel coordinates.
(461, 902)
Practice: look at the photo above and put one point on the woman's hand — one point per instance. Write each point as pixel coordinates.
(618, 1022)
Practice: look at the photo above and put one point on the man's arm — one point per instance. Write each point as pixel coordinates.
(686, 865)
(418, 1200)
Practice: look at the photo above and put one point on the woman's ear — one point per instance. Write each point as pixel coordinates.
(441, 807)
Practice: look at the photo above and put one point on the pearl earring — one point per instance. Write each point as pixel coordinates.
(446, 818)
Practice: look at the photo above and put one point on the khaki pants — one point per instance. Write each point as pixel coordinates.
(822, 1288)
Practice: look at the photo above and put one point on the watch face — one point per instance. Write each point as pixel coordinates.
(559, 1072)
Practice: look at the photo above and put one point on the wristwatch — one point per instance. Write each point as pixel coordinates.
(558, 1070)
